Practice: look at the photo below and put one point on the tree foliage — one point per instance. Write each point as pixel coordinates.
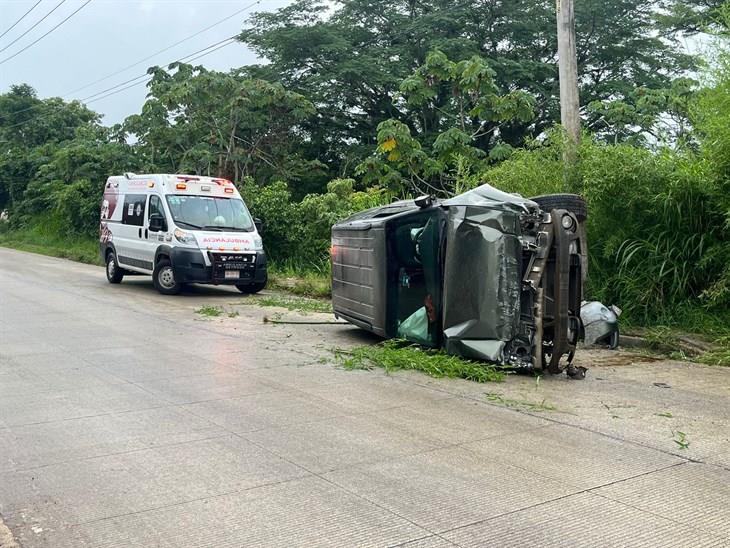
(223, 124)
(351, 61)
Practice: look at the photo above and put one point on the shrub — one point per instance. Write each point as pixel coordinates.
(299, 232)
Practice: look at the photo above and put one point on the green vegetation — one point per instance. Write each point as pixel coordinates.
(366, 101)
(48, 240)
(396, 355)
(296, 304)
(680, 438)
(525, 405)
(210, 311)
(720, 356)
(303, 281)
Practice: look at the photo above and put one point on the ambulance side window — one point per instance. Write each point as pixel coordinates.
(156, 209)
(134, 209)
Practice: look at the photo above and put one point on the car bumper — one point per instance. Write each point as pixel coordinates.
(189, 267)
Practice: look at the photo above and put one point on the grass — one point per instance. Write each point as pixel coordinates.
(719, 356)
(46, 241)
(680, 438)
(296, 304)
(210, 311)
(314, 281)
(526, 405)
(395, 355)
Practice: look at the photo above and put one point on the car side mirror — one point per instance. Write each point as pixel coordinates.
(258, 223)
(157, 223)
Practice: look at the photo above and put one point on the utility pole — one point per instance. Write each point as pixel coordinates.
(568, 72)
(570, 109)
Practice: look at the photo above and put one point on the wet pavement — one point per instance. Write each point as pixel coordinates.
(128, 419)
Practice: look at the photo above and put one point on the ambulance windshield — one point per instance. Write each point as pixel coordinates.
(210, 213)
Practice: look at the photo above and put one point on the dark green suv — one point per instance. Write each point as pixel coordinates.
(486, 275)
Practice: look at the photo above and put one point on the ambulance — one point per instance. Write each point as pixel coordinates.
(180, 229)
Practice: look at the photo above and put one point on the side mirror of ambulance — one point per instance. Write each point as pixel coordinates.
(259, 225)
(157, 223)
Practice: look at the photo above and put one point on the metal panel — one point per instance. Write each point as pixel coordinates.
(481, 281)
(359, 274)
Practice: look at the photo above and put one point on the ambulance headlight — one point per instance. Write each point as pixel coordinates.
(258, 243)
(184, 237)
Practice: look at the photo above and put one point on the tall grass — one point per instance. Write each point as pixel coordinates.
(47, 239)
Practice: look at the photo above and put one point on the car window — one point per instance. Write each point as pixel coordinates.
(156, 207)
(212, 213)
(134, 209)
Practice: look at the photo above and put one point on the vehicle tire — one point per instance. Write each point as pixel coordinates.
(164, 278)
(570, 202)
(114, 273)
(250, 289)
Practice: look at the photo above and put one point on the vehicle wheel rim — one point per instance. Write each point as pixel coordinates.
(111, 267)
(167, 280)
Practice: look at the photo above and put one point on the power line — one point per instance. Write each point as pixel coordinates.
(113, 91)
(220, 46)
(47, 33)
(34, 26)
(65, 95)
(249, 6)
(145, 74)
(21, 18)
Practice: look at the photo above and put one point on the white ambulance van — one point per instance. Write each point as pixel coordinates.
(180, 229)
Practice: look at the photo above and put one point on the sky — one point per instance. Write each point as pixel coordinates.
(108, 35)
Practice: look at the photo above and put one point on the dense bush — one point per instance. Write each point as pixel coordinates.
(656, 227)
(300, 231)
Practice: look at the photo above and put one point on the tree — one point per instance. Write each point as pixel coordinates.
(350, 61)
(31, 130)
(224, 124)
(452, 105)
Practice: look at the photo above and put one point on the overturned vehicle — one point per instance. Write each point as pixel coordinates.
(486, 275)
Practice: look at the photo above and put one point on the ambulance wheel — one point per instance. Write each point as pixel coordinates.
(250, 289)
(164, 278)
(114, 272)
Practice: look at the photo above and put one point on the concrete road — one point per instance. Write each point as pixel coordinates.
(126, 419)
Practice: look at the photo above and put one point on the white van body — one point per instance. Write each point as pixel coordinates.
(180, 229)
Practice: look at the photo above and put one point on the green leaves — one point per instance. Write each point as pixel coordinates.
(228, 125)
(458, 102)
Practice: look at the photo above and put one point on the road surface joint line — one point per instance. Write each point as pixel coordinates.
(345, 490)
(562, 423)
(562, 497)
(651, 513)
(116, 453)
(81, 417)
(187, 501)
(321, 477)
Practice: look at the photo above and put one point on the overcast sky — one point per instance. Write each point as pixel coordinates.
(108, 35)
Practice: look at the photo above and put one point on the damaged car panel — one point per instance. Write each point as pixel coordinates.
(487, 275)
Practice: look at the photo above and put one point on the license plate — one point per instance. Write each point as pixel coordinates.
(232, 274)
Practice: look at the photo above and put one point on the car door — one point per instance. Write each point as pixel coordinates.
(134, 252)
(154, 236)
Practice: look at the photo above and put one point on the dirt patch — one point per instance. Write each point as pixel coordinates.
(612, 358)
